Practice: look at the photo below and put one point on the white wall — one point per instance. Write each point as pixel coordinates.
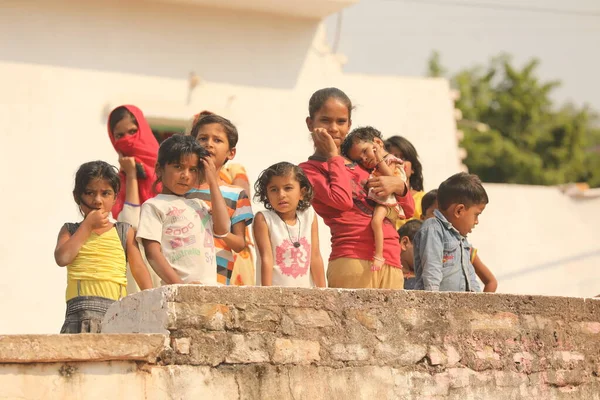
(537, 240)
(64, 65)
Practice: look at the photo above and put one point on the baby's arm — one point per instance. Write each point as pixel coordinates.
(136, 264)
(159, 263)
(487, 277)
(317, 271)
(67, 246)
(220, 216)
(263, 245)
(431, 252)
(384, 168)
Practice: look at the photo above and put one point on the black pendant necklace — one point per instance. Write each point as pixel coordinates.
(297, 242)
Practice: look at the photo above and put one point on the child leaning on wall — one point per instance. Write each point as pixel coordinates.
(176, 232)
(407, 234)
(442, 252)
(219, 137)
(132, 138)
(490, 283)
(287, 233)
(95, 251)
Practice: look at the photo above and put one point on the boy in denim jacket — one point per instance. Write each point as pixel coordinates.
(441, 251)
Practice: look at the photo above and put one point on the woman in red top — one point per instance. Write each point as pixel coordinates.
(340, 189)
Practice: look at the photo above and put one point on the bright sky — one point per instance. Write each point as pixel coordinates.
(396, 37)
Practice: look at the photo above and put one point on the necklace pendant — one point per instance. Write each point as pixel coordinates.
(296, 244)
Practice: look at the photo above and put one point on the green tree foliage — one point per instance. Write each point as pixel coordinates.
(513, 133)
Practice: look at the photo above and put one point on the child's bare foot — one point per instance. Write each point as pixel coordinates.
(377, 263)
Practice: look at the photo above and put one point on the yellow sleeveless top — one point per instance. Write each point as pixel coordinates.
(417, 197)
(99, 269)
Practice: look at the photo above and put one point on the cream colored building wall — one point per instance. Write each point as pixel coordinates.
(540, 241)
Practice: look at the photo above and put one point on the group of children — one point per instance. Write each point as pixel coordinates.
(188, 224)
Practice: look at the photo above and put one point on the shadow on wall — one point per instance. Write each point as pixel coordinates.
(165, 40)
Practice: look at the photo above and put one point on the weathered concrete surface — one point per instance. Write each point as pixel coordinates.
(84, 347)
(262, 343)
(447, 342)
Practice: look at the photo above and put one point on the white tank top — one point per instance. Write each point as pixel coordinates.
(291, 264)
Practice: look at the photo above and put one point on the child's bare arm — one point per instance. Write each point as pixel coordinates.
(68, 246)
(159, 263)
(136, 264)
(220, 216)
(263, 245)
(384, 169)
(317, 270)
(127, 165)
(236, 239)
(490, 283)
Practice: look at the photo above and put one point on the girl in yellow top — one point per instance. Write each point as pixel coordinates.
(403, 149)
(95, 251)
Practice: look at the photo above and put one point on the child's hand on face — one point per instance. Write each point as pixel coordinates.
(379, 151)
(127, 165)
(324, 143)
(210, 170)
(97, 219)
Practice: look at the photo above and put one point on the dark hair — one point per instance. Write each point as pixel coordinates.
(409, 229)
(283, 169)
(409, 153)
(174, 148)
(320, 97)
(461, 188)
(95, 170)
(117, 115)
(207, 118)
(428, 200)
(362, 134)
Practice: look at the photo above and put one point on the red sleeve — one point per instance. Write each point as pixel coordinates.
(407, 203)
(334, 190)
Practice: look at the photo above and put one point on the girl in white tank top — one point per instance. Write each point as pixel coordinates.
(286, 233)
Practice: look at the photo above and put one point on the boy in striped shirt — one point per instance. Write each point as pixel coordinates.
(219, 137)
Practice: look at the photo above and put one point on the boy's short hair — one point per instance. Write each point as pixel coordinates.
(461, 188)
(410, 228)
(428, 200)
(362, 134)
(207, 118)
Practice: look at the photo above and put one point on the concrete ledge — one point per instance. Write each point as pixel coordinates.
(82, 347)
(261, 343)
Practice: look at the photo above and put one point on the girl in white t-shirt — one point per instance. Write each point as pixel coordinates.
(286, 233)
(177, 233)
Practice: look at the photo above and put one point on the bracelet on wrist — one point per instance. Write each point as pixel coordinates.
(221, 236)
(131, 204)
